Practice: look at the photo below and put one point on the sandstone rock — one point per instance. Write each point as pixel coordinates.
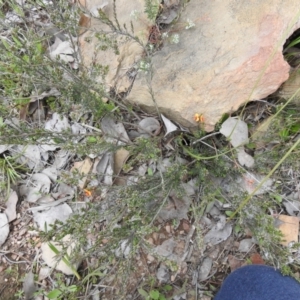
(232, 55)
(130, 51)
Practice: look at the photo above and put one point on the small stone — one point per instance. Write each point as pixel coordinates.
(163, 274)
(205, 268)
(168, 229)
(245, 245)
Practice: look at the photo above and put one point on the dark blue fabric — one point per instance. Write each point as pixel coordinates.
(258, 282)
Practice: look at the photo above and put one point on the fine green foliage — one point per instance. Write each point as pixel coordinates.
(9, 172)
(152, 8)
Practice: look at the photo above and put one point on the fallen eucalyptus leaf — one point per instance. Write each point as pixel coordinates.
(11, 203)
(43, 181)
(120, 158)
(61, 159)
(51, 172)
(170, 127)
(28, 155)
(63, 265)
(244, 158)
(124, 249)
(245, 245)
(292, 207)
(64, 50)
(219, 232)
(114, 132)
(57, 123)
(48, 217)
(163, 273)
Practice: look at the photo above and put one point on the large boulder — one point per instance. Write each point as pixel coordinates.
(231, 56)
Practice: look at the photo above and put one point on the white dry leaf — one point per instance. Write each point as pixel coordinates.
(244, 158)
(44, 273)
(48, 217)
(249, 182)
(12, 17)
(114, 132)
(45, 199)
(183, 296)
(190, 187)
(29, 286)
(53, 92)
(39, 185)
(108, 178)
(245, 245)
(292, 207)
(51, 172)
(164, 164)
(219, 232)
(120, 158)
(11, 204)
(105, 168)
(30, 193)
(142, 170)
(175, 208)
(28, 155)
(163, 273)
(76, 128)
(149, 126)
(236, 130)
(43, 181)
(51, 259)
(63, 50)
(166, 248)
(13, 122)
(170, 127)
(64, 190)
(4, 228)
(3, 148)
(205, 268)
(57, 123)
(61, 159)
(132, 180)
(48, 147)
(124, 249)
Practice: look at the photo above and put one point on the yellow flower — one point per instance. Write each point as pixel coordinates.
(87, 193)
(199, 118)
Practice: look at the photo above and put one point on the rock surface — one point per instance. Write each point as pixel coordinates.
(130, 50)
(231, 56)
